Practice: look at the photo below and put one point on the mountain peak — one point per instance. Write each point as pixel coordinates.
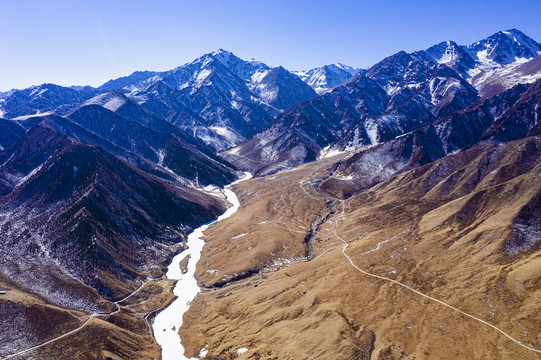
(513, 32)
(222, 55)
(221, 51)
(242, 68)
(504, 47)
(326, 77)
(447, 52)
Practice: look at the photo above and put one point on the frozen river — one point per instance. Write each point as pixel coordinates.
(168, 322)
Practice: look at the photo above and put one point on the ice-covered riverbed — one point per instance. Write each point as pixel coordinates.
(168, 322)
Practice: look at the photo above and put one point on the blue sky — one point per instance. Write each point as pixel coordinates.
(79, 42)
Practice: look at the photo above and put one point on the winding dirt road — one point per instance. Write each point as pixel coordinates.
(344, 248)
(90, 317)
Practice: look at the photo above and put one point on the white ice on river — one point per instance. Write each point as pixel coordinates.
(168, 322)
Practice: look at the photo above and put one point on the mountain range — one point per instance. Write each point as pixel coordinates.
(398, 95)
(413, 165)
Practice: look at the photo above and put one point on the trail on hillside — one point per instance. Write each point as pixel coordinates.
(118, 308)
(346, 245)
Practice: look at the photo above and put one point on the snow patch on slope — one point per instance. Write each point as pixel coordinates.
(110, 101)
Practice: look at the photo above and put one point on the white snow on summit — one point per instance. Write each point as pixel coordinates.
(502, 48)
(325, 78)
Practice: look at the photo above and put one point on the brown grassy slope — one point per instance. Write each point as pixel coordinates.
(122, 335)
(272, 226)
(455, 230)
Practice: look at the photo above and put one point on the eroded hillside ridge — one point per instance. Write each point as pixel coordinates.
(81, 229)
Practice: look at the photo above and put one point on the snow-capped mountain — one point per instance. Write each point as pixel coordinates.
(219, 98)
(490, 64)
(244, 69)
(502, 48)
(422, 87)
(400, 94)
(222, 99)
(197, 72)
(42, 99)
(327, 77)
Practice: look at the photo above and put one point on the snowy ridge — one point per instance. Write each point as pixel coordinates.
(523, 71)
(110, 101)
(222, 99)
(504, 47)
(243, 69)
(500, 49)
(325, 78)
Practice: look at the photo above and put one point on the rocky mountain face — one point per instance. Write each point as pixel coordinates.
(327, 77)
(300, 133)
(493, 82)
(218, 98)
(71, 203)
(9, 132)
(451, 54)
(492, 120)
(522, 120)
(166, 147)
(491, 65)
(82, 228)
(142, 139)
(422, 88)
(396, 96)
